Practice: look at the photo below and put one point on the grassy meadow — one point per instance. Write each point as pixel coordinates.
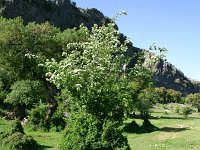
(176, 132)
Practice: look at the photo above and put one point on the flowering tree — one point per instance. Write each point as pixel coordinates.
(94, 86)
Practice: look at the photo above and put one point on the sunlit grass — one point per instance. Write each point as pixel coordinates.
(47, 140)
(5, 125)
(175, 133)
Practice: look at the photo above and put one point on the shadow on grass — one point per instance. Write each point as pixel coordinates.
(147, 127)
(163, 117)
(133, 127)
(43, 147)
(171, 129)
(182, 118)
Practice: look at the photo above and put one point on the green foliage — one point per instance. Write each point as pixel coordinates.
(95, 89)
(72, 36)
(142, 91)
(186, 111)
(81, 133)
(16, 139)
(26, 92)
(17, 127)
(194, 100)
(24, 47)
(58, 120)
(90, 81)
(37, 119)
(86, 132)
(164, 95)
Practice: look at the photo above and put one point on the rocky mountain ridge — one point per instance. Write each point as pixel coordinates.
(60, 13)
(167, 75)
(64, 14)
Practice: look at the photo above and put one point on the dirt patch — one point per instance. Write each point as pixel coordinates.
(167, 135)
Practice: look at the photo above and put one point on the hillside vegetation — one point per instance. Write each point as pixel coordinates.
(85, 83)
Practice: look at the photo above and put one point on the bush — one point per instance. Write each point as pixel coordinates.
(37, 119)
(177, 109)
(16, 139)
(186, 111)
(57, 120)
(81, 133)
(2, 113)
(194, 100)
(85, 132)
(17, 127)
(2, 97)
(24, 94)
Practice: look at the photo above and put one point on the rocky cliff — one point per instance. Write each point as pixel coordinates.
(61, 13)
(64, 14)
(169, 76)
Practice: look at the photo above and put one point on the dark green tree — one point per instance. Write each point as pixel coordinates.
(24, 94)
(194, 100)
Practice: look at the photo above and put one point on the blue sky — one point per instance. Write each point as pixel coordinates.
(173, 24)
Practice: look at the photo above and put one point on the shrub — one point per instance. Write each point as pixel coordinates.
(17, 127)
(186, 111)
(37, 119)
(16, 139)
(86, 132)
(177, 109)
(24, 94)
(57, 120)
(194, 100)
(2, 112)
(81, 133)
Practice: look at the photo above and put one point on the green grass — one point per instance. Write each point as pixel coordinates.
(5, 125)
(175, 133)
(47, 140)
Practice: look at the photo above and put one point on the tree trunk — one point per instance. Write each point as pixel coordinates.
(19, 112)
(198, 109)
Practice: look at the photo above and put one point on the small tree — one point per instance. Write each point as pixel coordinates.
(95, 88)
(23, 95)
(194, 100)
(165, 95)
(142, 92)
